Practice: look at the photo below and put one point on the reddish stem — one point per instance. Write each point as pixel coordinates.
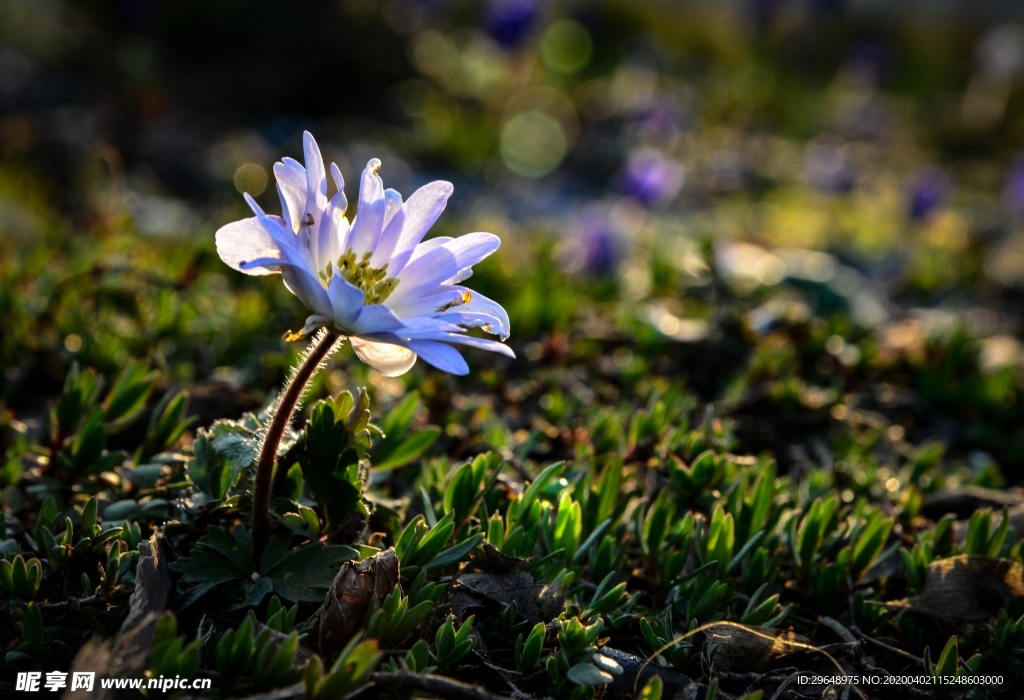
(264, 485)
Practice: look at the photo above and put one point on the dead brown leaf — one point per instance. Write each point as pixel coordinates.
(355, 587)
(534, 601)
(739, 647)
(489, 559)
(967, 587)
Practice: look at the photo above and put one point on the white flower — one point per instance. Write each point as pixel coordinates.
(374, 280)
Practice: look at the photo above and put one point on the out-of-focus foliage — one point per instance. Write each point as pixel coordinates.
(764, 267)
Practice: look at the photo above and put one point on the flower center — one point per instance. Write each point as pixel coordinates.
(374, 281)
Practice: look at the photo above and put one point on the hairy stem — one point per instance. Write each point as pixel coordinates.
(263, 488)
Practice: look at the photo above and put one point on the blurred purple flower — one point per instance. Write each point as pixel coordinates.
(597, 249)
(866, 63)
(830, 168)
(1013, 193)
(661, 118)
(597, 243)
(509, 22)
(651, 177)
(927, 189)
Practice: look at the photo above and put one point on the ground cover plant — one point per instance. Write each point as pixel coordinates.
(754, 430)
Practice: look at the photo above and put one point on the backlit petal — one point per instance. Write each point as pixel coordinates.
(444, 357)
(377, 318)
(478, 303)
(443, 262)
(308, 289)
(421, 210)
(316, 176)
(388, 359)
(246, 240)
(369, 221)
(346, 301)
(339, 200)
(291, 188)
(474, 342)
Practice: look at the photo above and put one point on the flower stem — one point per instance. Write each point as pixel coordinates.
(263, 488)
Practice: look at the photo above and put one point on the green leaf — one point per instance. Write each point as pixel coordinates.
(870, 544)
(213, 561)
(431, 544)
(653, 689)
(89, 443)
(409, 450)
(396, 448)
(166, 425)
(329, 454)
(396, 422)
(32, 629)
(455, 553)
(305, 574)
(127, 397)
(586, 673)
(948, 662)
(978, 532)
(219, 454)
(534, 490)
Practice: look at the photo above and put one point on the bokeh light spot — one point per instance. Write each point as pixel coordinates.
(533, 144)
(566, 47)
(251, 178)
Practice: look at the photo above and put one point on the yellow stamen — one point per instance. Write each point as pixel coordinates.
(374, 281)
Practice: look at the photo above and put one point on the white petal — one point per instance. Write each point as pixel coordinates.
(421, 211)
(444, 262)
(339, 200)
(274, 225)
(428, 304)
(306, 286)
(427, 246)
(444, 357)
(269, 265)
(478, 303)
(342, 229)
(291, 188)
(346, 301)
(331, 230)
(460, 276)
(475, 319)
(246, 240)
(377, 318)
(426, 327)
(283, 257)
(308, 289)
(392, 204)
(388, 359)
(474, 342)
(316, 176)
(382, 252)
(394, 219)
(369, 221)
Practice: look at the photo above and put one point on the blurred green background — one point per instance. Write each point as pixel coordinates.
(643, 163)
(763, 260)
